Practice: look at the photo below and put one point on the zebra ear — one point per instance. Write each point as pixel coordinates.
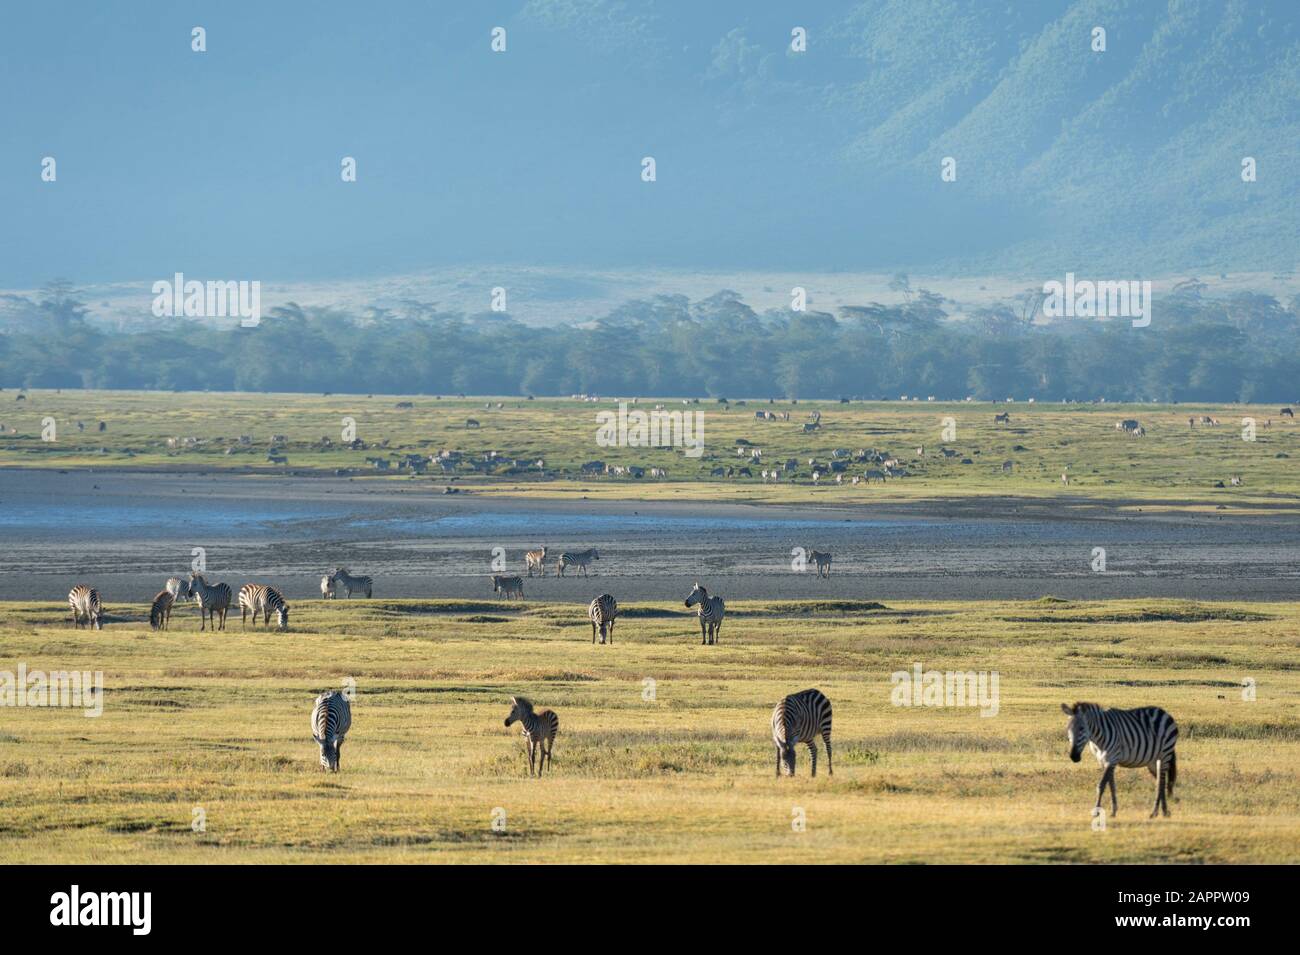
(1067, 709)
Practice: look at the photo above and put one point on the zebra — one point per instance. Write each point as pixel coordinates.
(711, 611)
(508, 586)
(536, 560)
(327, 591)
(160, 611)
(1128, 738)
(178, 587)
(349, 583)
(602, 612)
(800, 718)
(539, 731)
(213, 601)
(85, 603)
(822, 560)
(331, 718)
(578, 558)
(259, 599)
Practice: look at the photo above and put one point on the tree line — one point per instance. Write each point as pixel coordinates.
(1243, 347)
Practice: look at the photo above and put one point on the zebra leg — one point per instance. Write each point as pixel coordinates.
(812, 751)
(593, 632)
(1101, 784)
(1160, 790)
(704, 638)
(611, 633)
(830, 768)
(778, 762)
(1114, 797)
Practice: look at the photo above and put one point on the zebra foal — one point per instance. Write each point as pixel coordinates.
(213, 601)
(711, 611)
(801, 718)
(331, 718)
(361, 584)
(1128, 738)
(539, 731)
(86, 604)
(601, 612)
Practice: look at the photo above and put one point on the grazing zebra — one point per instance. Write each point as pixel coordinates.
(259, 599)
(349, 583)
(331, 718)
(536, 560)
(178, 587)
(577, 558)
(602, 612)
(1129, 738)
(801, 718)
(822, 560)
(213, 601)
(160, 611)
(327, 591)
(711, 611)
(85, 604)
(539, 731)
(508, 586)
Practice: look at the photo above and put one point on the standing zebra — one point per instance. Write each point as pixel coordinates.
(160, 611)
(85, 604)
(327, 587)
(178, 587)
(1128, 738)
(349, 583)
(601, 613)
(213, 601)
(711, 611)
(539, 731)
(261, 599)
(331, 718)
(508, 586)
(577, 558)
(822, 560)
(536, 560)
(801, 718)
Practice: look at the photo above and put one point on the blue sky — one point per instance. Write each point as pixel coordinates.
(226, 163)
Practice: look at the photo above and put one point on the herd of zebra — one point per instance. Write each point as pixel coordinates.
(1144, 737)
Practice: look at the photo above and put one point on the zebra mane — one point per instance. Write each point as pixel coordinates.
(525, 705)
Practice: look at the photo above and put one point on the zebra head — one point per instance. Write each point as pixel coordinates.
(1079, 729)
(496, 583)
(698, 594)
(787, 758)
(519, 707)
(282, 616)
(329, 751)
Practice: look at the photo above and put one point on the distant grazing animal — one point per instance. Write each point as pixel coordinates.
(1003, 418)
(602, 612)
(711, 611)
(264, 600)
(801, 718)
(213, 601)
(539, 730)
(1129, 425)
(331, 718)
(822, 560)
(536, 560)
(471, 423)
(327, 590)
(1191, 422)
(1129, 738)
(361, 583)
(160, 611)
(1287, 413)
(1235, 481)
(508, 586)
(178, 587)
(86, 605)
(577, 558)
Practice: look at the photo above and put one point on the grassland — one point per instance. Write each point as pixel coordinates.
(220, 722)
(1174, 466)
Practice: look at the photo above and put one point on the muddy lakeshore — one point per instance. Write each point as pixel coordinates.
(127, 531)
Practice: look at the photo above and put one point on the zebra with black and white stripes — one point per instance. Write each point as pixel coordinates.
(601, 612)
(536, 560)
(263, 600)
(508, 586)
(711, 610)
(178, 587)
(86, 605)
(822, 560)
(213, 601)
(801, 718)
(160, 611)
(539, 731)
(361, 583)
(327, 588)
(576, 558)
(1128, 738)
(331, 718)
